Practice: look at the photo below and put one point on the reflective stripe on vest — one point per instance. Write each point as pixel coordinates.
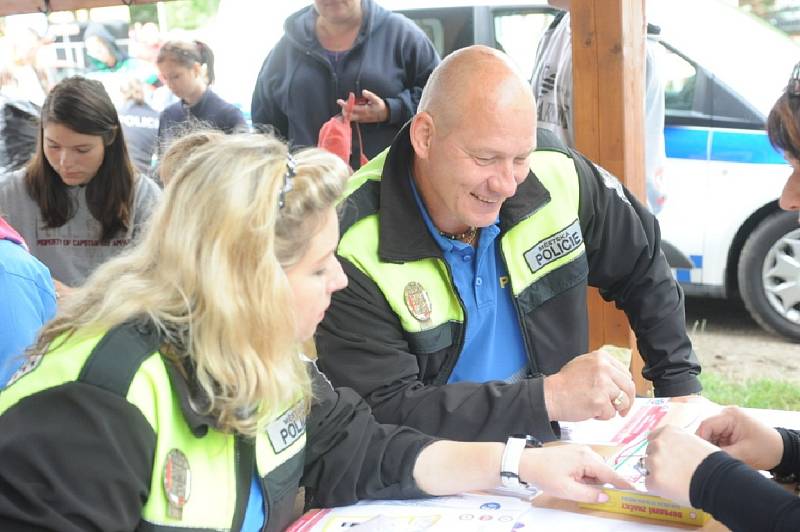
(538, 245)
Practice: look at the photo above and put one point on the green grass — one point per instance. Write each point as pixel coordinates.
(755, 393)
(761, 393)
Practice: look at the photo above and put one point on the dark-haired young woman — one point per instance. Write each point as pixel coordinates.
(187, 68)
(78, 202)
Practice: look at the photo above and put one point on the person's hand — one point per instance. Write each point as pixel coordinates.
(374, 110)
(569, 471)
(62, 290)
(672, 458)
(744, 438)
(594, 385)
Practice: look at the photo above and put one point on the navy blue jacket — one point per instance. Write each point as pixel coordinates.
(297, 87)
(211, 111)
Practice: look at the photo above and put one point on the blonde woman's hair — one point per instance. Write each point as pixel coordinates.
(181, 148)
(209, 273)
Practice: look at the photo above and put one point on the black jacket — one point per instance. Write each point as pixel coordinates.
(743, 499)
(79, 456)
(361, 343)
(211, 111)
(297, 88)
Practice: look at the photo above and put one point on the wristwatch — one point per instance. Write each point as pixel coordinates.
(509, 464)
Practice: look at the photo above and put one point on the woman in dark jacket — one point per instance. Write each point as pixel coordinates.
(331, 49)
(187, 68)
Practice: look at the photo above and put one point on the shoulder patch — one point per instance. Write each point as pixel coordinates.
(287, 428)
(611, 181)
(30, 364)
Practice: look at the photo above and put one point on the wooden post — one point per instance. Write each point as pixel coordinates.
(608, 69)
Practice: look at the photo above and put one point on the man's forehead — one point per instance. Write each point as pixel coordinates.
(494, 143)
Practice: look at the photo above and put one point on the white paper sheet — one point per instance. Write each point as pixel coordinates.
(467, 513)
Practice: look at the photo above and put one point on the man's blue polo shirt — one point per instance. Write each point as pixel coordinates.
(493, 346)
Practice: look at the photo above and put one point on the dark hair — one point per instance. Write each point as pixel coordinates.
(188, 54)
(783, 122)
(83, 106)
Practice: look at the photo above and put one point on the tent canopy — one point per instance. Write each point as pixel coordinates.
(14, 7)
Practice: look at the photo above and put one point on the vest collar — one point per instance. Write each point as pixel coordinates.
(190, 396)
(404, 238)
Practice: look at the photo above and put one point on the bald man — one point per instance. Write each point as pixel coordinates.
(468, 252)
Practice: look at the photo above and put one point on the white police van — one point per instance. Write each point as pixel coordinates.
(723, 69)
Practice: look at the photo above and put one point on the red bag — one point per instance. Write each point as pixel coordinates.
(336, 135)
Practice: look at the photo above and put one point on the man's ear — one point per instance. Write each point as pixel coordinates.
(422, 130)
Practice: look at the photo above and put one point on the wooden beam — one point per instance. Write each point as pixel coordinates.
(608, 62)
(15, 7)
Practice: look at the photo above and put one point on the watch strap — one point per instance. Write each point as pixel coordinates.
(512, 454)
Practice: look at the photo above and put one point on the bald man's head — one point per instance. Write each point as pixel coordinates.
(473, 136)
(472, 79)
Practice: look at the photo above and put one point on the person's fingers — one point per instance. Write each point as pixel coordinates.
(580, 492)
(621, 376)
(652, 438)
(622, 402)
(606, 411)
(603, 474)
(715, 429)
(613, 360)
(364, 115)
(595, 474)
(622, 384)
(371, 96)
(624, 412)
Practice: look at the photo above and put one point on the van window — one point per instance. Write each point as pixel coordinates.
(679, 77)
(744, 52)
(517, 33)
(693, 96)
(434, 29)
(447, 28)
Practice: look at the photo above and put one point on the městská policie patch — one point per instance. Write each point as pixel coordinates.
(554, 247)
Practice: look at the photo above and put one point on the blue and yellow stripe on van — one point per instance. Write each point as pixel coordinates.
(719, 144)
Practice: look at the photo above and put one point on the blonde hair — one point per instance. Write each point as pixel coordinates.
(209, 273)
(181, 148)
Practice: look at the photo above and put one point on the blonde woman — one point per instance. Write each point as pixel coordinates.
(169, 392)
(180, 150)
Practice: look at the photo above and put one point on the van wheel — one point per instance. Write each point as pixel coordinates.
(769, 274)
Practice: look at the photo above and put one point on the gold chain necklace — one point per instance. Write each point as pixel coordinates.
(467, 237)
